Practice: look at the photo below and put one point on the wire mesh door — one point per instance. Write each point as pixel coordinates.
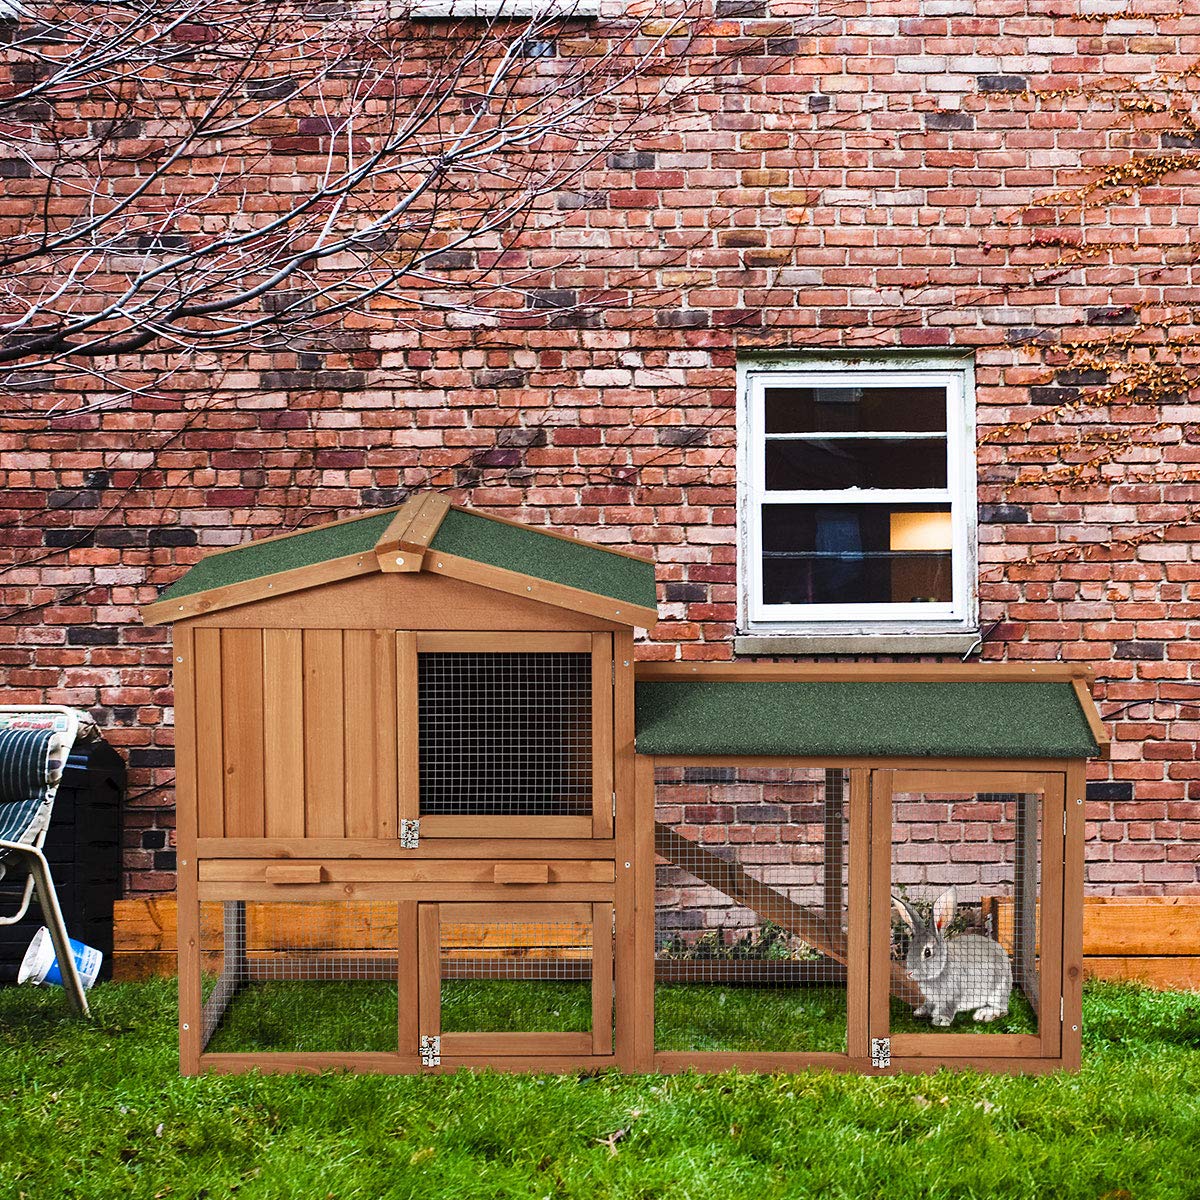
(523, 979)
(967, 913)
(306, 977)
(752, 911)
(514, 735)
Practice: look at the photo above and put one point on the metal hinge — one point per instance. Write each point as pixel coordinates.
(1062, 1009)
(614, 804)
(410, 833)
(431, 1051)
(1064, 824)
(881, 1052)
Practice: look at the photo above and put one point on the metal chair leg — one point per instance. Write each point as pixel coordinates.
(19, 915)
(48, 903)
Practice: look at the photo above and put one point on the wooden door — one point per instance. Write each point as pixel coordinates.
(515, 980)
(966, 916)
(507, 734)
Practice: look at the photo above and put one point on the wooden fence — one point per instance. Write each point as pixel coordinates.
(1154, 940)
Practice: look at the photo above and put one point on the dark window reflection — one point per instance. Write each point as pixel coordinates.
(856, 554)
(848, 462)
(855, 410)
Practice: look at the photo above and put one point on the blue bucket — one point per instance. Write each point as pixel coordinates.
(40, 964)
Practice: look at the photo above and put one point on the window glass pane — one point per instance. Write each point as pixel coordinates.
(856, 554)
(851, 462)
(855, 409)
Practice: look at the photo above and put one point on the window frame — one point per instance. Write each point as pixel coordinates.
(960, 615)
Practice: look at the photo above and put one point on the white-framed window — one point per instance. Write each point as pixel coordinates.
(856, 497)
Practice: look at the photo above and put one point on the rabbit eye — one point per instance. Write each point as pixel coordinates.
(926, 952)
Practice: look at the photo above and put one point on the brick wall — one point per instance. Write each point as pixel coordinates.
(878, 182)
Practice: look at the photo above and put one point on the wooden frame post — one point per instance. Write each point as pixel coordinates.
(187, 872)
(879, 937)
(429, 971)
(1050, 924)
(626, 950)
(642, 998)
(1025, 896)
(1075, 803)
(858, 1036)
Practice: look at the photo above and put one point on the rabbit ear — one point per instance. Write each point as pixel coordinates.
(944, 908)
(906, 913)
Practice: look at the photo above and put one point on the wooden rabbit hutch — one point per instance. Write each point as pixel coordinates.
(415, 833)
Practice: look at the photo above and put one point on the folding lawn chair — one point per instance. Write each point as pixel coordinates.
(35, 741)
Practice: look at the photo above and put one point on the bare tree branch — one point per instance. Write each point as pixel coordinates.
(149, 138)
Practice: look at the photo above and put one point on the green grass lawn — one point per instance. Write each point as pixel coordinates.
(705, 1016)
(302, 1016)
(702, 1016)
(515, 1006)
(98, 1110)
(312, 1016)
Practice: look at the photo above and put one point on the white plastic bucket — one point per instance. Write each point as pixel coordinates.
(40, 964)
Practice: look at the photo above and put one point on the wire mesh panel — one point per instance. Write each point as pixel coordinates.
(516, 976)
(296, 977)
(966, 886)
(505, 734)
(751, 909)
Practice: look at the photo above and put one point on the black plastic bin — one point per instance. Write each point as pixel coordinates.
(84, 851)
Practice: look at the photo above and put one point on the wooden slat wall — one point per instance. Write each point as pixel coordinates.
(369, 687)
(324, 734)
(210, 763)
(288, 733)
(283, 731)
(242, 731)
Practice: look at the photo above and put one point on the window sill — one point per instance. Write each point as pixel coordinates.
(855, 643)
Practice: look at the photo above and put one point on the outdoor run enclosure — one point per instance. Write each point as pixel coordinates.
(431, 815)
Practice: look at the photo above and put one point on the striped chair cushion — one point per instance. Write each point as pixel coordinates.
(31, 765)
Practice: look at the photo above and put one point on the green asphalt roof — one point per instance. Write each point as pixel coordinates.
(863, 719)
(465, 534)
(256, 559)
(528, 552)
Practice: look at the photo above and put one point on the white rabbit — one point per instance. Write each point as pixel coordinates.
(967, 973)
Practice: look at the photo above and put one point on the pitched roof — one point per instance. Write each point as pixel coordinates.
(424, 534)
(524, 550)
(864, 719)
(273, 556)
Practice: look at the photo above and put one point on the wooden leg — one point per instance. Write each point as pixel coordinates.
(1072, 924)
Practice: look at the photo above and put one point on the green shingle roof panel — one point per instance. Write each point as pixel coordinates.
(257, 559)
(528, 552)
(862, 719)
